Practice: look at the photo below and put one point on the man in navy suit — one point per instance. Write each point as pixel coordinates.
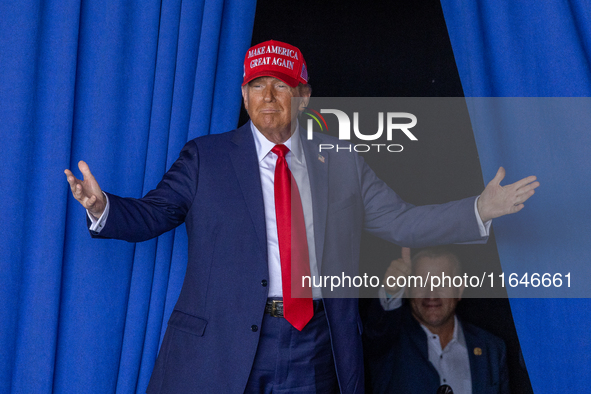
(227, 332)
(420, 345)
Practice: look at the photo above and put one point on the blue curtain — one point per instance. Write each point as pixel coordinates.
(123, 86)
(528, 48)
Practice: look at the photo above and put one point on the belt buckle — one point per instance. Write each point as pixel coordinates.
(274, 304)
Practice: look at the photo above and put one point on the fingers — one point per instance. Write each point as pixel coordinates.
(74, 183)
(87, 191)
(498, 177)
(76, 187)
(85, 170)
(399, 267)
(70, 178)
(525, 192)
(525, 182)
(395, 267)
(78, 191)
(90, 203)
(406, 255)
(526, 188)
(521, 198)
(497, 200)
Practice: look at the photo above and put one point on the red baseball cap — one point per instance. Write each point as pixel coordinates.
(275, 59)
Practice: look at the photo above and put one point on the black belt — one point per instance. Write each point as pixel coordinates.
(275, 307)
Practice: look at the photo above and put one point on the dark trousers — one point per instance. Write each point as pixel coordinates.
(290, 361)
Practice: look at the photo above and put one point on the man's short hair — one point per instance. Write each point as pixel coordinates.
(438, 252)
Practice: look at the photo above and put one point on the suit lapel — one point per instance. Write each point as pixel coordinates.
(318, 174)
(419, 338)
(478, 370)
(245, 162)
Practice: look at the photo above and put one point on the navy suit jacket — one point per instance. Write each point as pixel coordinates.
(214, 188)
(397, 355)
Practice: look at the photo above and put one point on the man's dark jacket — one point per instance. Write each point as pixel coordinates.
(397, 355)
(214, 187)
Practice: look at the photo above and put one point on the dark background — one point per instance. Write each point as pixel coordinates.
(398, 49)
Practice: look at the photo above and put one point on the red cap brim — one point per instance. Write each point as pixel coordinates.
(275, 74)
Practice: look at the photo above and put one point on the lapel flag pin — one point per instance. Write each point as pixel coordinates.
(478, 351)
(321, 158)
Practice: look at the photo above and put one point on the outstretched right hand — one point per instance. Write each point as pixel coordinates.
(87, 191)
(398, 267)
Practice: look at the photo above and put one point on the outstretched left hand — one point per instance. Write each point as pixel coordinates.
(497, 200)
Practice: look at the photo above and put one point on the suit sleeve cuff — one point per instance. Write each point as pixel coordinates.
(484, 228)
(97, 224)
(389, 303)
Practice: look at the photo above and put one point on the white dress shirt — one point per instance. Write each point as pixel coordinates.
(452, 363)
(297, 165)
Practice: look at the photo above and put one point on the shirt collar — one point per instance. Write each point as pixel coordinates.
(264, 146)
(458, 335)
(459, 332)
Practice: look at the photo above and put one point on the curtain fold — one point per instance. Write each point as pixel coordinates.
(537, 49)
(122, 86)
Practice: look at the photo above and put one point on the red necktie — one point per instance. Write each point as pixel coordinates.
(293, 245)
